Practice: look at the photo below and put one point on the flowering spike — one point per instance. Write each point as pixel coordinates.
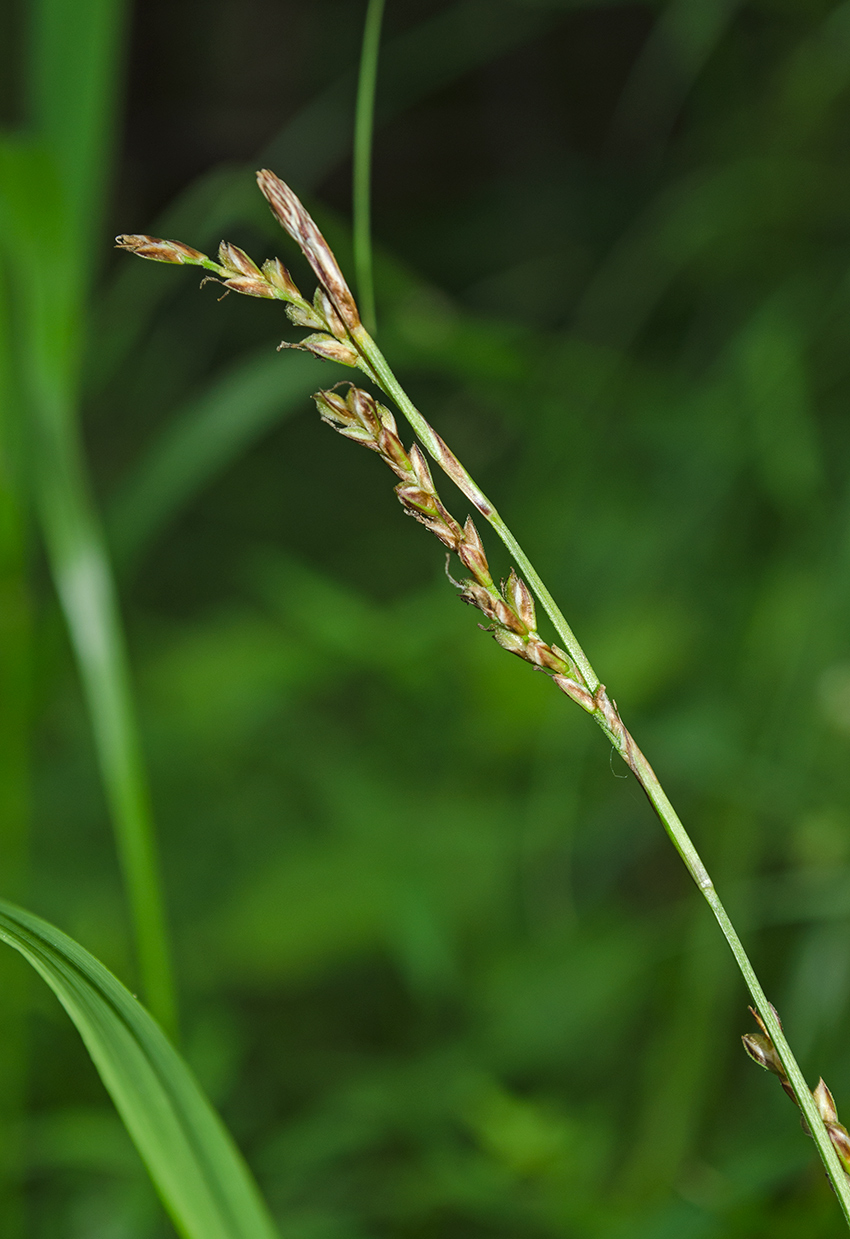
(158, 250)
(518, 595)
(290, 213)
(325, 311)
(510, 641)
(232, 258)
(387, 419)
(277, 274)
(303, 316)
(325, 347)
(825, 1103)
(420, 468)
(472, 556)
(249, 286)
(332, 408)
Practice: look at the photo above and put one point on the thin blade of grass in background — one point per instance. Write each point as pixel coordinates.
(198, 1172)
(364, 125)
(52, 195)
(15, 690)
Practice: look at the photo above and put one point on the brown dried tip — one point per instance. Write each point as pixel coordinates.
(289, 212)
(232, 258)
(157, 249)
(326, 348)
(249, 287)
(825, 1103)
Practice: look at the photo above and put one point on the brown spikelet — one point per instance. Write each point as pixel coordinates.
(277, 274)
(450, 464)
(303, 316)
(577, 692)
(518, 595)
(249, 286)
(325, 311)
(232, 258)
(825, 1103)
(158, 249)
(472, 555)
(325, 347)
(420, 468)
(289, 212)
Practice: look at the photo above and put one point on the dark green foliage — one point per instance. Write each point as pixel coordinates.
(439, 967)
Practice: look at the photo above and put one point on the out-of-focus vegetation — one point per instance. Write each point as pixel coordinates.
(438, 967)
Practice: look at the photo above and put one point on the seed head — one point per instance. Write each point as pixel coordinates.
(159, 250)
(472, 556)
(518, 595)
(277, 274)
(290, 213)
(250, 286)
(236, 261)
(510, 641)
(328, 316)
(825, 1103)
(304, 316)
(327, 348)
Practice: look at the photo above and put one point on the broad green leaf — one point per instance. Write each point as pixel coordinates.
(190, 1156)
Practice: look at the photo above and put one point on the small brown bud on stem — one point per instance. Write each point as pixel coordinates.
(158, 250)
(235, 260)
(761, 1050)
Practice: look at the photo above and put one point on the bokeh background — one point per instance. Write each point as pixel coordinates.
(439, 967)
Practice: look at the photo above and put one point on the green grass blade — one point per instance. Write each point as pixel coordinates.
(364, 124)
(75, 57)
(53, 193)
(37, 233)
(203, 437)
(16, 649)
(190, 1156)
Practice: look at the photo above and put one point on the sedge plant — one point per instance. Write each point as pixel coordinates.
(337, 333)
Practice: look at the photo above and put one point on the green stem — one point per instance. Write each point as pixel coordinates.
(364, 123)
(608, 719)
(462, 479)
(16, 651)
(84, 582)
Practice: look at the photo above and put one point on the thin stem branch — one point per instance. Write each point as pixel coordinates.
(344, 338)
(447, 461)
(605, 713)
(364, 124)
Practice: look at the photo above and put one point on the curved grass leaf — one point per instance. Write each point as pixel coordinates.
(196, 1168)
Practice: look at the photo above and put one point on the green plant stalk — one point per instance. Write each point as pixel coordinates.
(84, 583)
(16, 647)
(348, 341)
(364, 124)
(610, 723)
(45, 413)
(52, 191)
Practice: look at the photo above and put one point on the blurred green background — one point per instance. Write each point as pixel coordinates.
(438, 965)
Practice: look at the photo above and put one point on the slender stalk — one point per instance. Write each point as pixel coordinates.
(606, 715)
(343, 338)
(462, 479)
(364, 124)
(52, 192)
(16, 650)
(84, 582)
